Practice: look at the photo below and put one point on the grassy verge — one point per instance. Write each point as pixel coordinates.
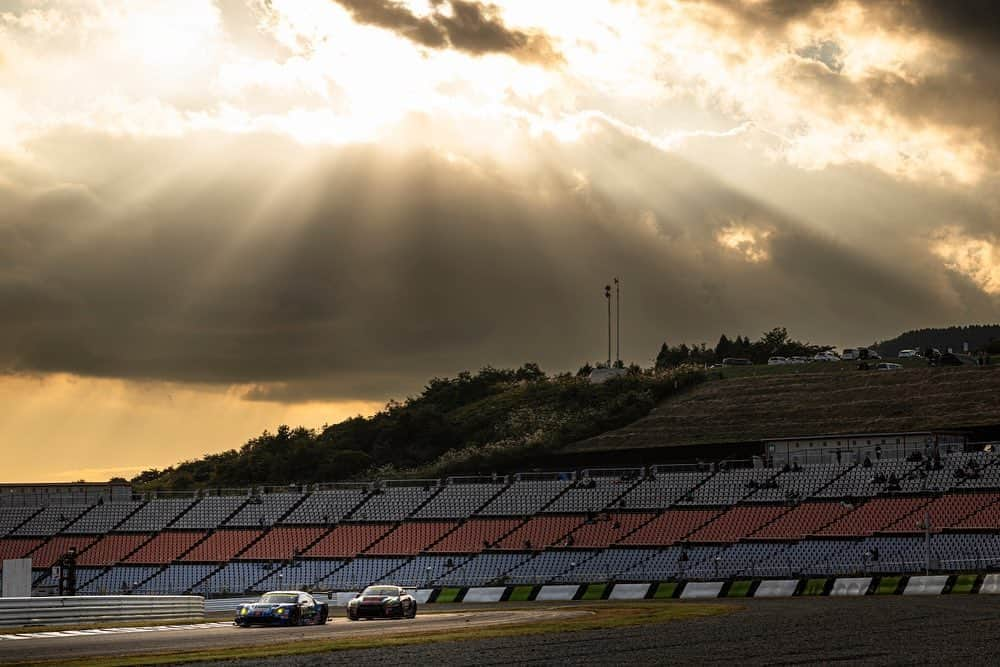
(594, 592)
(739, 589)
(964, 583)
(596, 617)
(520, 594)
(814, 587)
(665, 590)
(448, 595)
(888, 585)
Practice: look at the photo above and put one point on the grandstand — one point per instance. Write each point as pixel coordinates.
(635, 524)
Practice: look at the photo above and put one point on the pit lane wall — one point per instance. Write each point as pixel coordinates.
(91, 609)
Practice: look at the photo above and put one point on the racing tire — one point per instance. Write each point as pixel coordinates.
(352, 617)
(323, 617)
(413, 611)
(296, 618)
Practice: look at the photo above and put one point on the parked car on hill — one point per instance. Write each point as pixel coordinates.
(887, 366)
(907, 354)
(826, 356)
(736, 361)
(777, 361)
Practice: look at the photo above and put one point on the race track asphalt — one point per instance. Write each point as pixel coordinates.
(874, 630)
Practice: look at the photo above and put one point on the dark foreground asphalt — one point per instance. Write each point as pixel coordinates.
(892, 630)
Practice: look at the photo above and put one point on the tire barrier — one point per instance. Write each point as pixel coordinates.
(629, 591)
(493, 594)
(697, 590)
(851, 586)
(776, 589)
(557, 593)
(91, 609)
(991, 584)
(926, 585)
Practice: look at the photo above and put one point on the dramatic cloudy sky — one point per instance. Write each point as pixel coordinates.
(220, 216)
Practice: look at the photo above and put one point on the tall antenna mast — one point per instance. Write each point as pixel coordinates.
(607, 296)
(618, 321)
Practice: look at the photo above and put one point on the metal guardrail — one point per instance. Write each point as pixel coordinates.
(99, 609)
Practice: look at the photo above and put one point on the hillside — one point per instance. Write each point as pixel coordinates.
(486, 422)
(744, 409)
(978, 337)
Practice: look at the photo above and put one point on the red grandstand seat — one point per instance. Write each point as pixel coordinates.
(348, 540)
(874, 515)
(475, 535)
(948, 511)
(670, 527)
(987, 517)
(608, 528)
(221, 546)
(802, 520)
(411, 538)
(737, 523)
(17, 547)
(50, 552)
(110, 549)
(540, 532)
(283, 543)
(166, 547)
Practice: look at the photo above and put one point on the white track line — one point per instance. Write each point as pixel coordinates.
(113, 631)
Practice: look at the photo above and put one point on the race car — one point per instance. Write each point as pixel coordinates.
(382, 601)
(283, 608)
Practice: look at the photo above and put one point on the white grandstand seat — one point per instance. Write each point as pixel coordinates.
(102, 518)
(263, 510)
(325, 507)
(524, 497)
(209, 513)
(393, 503)
(458, 501)
(361, 572)
(51, 520)
(155, 515)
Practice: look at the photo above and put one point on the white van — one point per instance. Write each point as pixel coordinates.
(850, 354)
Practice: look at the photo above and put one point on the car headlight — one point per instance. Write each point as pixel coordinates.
(243, 611)
(282, 610)
(353, 602)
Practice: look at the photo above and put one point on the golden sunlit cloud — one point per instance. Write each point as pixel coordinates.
(978, 259)
(746, 240)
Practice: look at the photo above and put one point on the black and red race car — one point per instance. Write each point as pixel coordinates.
(382, 601)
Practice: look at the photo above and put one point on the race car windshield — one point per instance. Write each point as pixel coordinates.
(280, 598)
(381, 590)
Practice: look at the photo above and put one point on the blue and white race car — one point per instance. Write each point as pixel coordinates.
(283, 608)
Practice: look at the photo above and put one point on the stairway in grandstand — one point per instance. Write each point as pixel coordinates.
(657, 523)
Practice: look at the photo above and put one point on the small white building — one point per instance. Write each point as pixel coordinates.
(854, 447)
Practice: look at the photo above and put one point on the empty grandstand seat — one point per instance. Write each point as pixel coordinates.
(946, 511)
(117, 580)
(607, 528)
(176, 579)
(459, 500)
(728, 487)
(670, 527)
(50, 520)
(736, 523)
(988, 517)
(663, 489)
(298, 575)
(802, 520)
(874, 515)
(17, 547)
(12, 517)
(524, 497)
(361, 572)
(155, 515)
(209, 513)
(861, 481)
(221, 545)
(263, 510)
(482, 570)
(236, 577)
(348, 540)
(102, 518)
(411, 538)
(592, 494)
(110, 549)
(475, 535)
(393, 503)
(798, 483)
(547, 566)
(422, 571)
(745, 558)
(282, 543)
(47, 554)
(540, 532)
(326, 507)
(607, 565)
(166, 547)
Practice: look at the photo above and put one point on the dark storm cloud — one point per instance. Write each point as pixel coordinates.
(469, 26)
(370, 272)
